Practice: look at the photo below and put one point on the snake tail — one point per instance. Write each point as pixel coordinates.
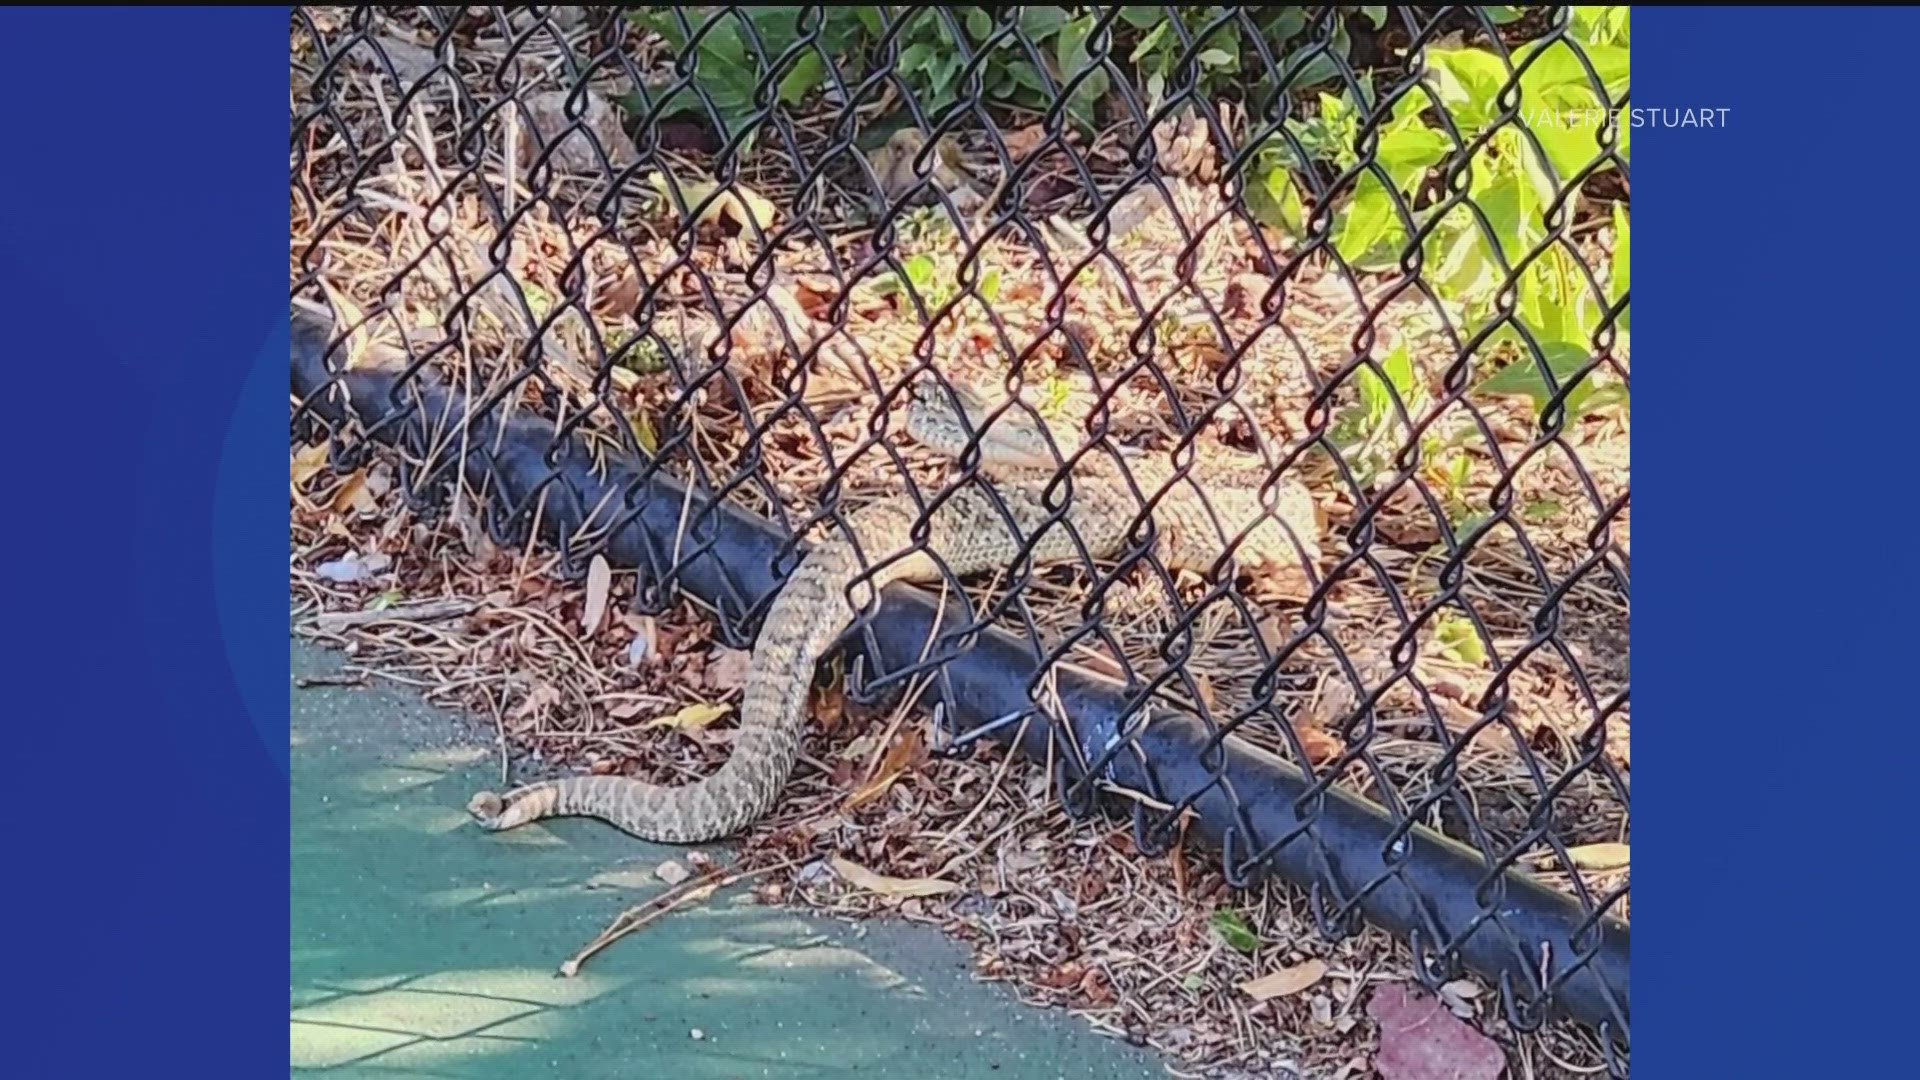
(808, 615)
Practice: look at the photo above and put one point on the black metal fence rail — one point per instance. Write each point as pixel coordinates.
(1416, 109)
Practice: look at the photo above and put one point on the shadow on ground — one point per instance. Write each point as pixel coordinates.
(423, 947)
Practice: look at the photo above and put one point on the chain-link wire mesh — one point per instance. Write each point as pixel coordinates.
(656, 284)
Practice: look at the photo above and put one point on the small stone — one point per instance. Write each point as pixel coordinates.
(696, 1034)
(671, 872)
(343, 571)
(639, 650)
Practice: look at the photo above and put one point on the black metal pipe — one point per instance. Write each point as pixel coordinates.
(1415, 883)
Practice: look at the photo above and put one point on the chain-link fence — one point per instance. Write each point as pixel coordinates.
(658, 285)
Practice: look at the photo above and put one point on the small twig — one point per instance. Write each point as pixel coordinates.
(307, 681)
(644, 914)
(910, 700)
(500, 738)
(980, 804)
(422, 611)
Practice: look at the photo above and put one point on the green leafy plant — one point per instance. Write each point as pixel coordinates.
(917, 273)
(1448, 470)
(725, 65)
(1455, 638)
(1602, 25)
(639, 354)
(931, 60)
(1541, 510)
(1369, 432)
(1527, 147)
(1531, 148)
(539, 301)
(1156, 55)
(922, 274)
(1512, 184)
(932, 46)
(1564, 314)
(1056, 394)
(1306, 62)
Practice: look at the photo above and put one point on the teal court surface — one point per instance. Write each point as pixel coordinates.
(423, 947)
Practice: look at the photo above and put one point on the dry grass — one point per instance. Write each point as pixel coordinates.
(417, 238)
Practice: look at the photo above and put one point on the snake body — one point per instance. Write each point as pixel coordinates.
(969, 534)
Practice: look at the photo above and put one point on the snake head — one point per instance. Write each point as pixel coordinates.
(1014, 437)
(485, 806)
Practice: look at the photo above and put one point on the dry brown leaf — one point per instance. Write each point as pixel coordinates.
(862, 878)
(353, 495)
(599, 587)
(1021, 142)
(630, 707)
(861, 747)
(539, 699)
(1096, 988)
(692, 718)
(1320, 744)
(1355, 1066)
(1272, 635)
(830, 707)
(815, 294)
(1286, 981)
(905, 752)
(727, 668)
(307, 461)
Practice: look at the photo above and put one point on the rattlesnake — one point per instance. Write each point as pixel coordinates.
(970, 535)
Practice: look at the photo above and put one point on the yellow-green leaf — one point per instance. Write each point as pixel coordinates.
(692, 718)
(1600, 856)
(1235, 932)
(307, 462)
(643, 431)
(1456, 639)
(739, 202)
(1622, 261)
